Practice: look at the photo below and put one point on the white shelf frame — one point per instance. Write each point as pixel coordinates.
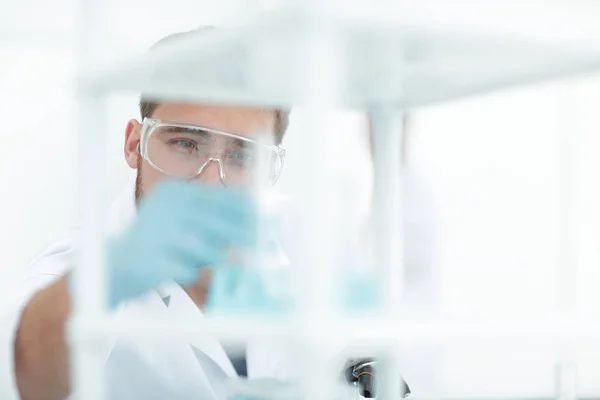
(91, 322)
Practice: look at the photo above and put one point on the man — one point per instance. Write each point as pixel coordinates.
(193, 164)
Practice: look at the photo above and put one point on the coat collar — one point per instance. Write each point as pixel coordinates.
(180, 306)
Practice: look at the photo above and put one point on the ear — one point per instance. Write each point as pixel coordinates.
(132, 143)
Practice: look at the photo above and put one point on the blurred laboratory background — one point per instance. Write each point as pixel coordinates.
(502, 189)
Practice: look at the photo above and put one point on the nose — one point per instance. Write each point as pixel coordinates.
(210, 172)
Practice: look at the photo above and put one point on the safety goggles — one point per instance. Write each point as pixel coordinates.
(185, 150)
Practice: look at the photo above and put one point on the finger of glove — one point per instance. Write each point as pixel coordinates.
(188, 257)
(233, 203)
(225, 214)
(220, 229)
(194, 252)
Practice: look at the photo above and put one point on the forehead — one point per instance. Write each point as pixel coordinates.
(243, 121)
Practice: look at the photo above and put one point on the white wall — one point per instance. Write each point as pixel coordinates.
(37, 155)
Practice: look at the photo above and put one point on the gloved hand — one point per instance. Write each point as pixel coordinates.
(180, 227)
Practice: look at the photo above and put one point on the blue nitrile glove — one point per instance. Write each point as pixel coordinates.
(180, 227)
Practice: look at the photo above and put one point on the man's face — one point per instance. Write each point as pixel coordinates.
(237, 120)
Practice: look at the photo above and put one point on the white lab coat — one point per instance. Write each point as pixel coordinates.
(144, 368)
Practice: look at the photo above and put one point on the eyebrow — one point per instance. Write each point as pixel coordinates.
(237, 142)
(185, 129)
(244, 144)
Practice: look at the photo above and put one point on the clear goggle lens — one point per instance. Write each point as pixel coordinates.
(184, 151)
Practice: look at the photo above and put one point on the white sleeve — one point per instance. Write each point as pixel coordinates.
(44, 270)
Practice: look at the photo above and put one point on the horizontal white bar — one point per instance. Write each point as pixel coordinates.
(36, 39)
(269, 390)
(369, 331)
(564, 43)
(537, 21)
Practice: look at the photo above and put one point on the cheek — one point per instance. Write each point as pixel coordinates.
(149, 177)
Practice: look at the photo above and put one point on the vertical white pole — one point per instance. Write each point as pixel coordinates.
(566, 379)
(89, 278)
(262, 260)
(316, 269)
(89, 301)
(388, 375)
(566, 263)
(566, 260)
(387, 130)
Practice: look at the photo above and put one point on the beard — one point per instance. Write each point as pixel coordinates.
(139, 190)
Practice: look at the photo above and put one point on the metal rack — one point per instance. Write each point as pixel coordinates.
(321, 55)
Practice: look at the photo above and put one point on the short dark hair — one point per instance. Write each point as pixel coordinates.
(147, 107)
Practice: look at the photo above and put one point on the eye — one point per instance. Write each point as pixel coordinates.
(241, 157)
(183, 144)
